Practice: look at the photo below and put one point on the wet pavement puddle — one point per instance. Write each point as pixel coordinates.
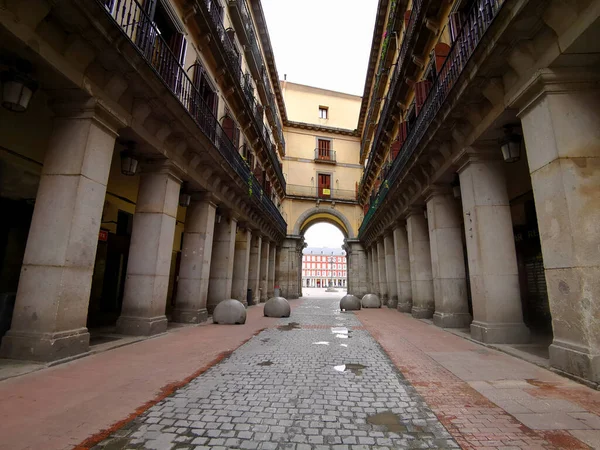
(340, 332)
(266, 363)
(390, 421)
(356, 369)
(289, 327)
(321, 343)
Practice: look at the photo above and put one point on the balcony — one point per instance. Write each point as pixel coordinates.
(210, 12)
(325, 156)
(320, 193)
(478, 21)
(242, 20)
(137, 26)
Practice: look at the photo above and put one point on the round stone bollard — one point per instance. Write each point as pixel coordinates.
(277, 307)
(349, 303)
(371, 301)
(230, 312)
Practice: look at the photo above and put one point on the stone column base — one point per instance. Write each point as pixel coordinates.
(574, 360)
(500, 333)
(141, 326)
(452, 320)
(393, 302)
(190, 315)
(404, 307)
(384, 299)
(421, 313)
(45, 347)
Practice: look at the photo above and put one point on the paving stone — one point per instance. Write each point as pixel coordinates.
(308, 396)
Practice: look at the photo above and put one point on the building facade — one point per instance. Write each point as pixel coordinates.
(480, 141)
(140, 158)
(324, 267)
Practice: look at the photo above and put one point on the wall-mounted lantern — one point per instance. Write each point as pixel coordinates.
(129, 163)
(511, 144)
(18, 85)
(184, 197)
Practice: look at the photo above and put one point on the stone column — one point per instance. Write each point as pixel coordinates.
(375, 262)
(403, 281)
(271, 274)
(194, 271)
(264, 270)
(420, 264)
(390, 269)
(447, 259)
(241, 264)
(49, 318)
(369, 271)
(150, 252)
(287, 269)
(561, 125)
(497, 313)
(254, 267)
(357, 269)
(383, 287)
(221, 268)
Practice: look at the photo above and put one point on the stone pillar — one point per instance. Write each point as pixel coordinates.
(369, 271)
(221, 268)
(375, 262)
(264, 270)
(497, 313)
(561, 126)
(403, 281)
(241, 264)
(287, 269)
(420, 264)
(357, 268)
(271, 274)
(447, 259)
(383, 287)
(254, 267)
(390, 269)
(150, 252)
(51, 307)
(194, 271)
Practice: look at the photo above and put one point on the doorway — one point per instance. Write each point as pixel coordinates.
(324, 187)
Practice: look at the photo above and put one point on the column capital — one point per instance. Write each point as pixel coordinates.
(412, 211)
(205, 197)
(472, 155)
(553, 81)
(436, 189)
(163, 166)
(71, 106)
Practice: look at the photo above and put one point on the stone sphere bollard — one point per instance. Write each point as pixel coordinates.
(371, 301)
(277, 307)
(229, 312)
(349, 303)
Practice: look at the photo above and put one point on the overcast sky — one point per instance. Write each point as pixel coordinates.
(322, 43)
(324, 235)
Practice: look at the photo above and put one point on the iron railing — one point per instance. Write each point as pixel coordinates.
(324, 155)
(233, 60)
(296, 190)
(135, 23)
(477, 22)
(415, 17)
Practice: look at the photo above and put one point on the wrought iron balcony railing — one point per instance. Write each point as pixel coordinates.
(135, 23)
(478, 21)
(233, 62)
(325, 155)
(314, 192)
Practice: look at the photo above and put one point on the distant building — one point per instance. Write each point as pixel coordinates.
(323, 267)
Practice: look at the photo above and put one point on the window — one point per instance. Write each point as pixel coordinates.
(323, 112)
(324, 187)
(324, 149)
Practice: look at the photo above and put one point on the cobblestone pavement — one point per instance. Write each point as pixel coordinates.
(318, 381)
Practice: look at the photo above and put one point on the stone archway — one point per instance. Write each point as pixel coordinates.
(329, 215)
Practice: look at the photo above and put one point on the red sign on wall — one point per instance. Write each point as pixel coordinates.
(103, 236)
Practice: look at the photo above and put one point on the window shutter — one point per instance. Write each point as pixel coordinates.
(407, 18)
(441, 51)
(455, 21)
(403, 132)
(236, 136)
(421, 91)
(395, 149)
(228, 127)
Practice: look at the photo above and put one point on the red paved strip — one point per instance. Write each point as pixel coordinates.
(473, 420)
(63, 406)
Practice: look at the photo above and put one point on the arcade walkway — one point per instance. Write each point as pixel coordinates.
(320, 380)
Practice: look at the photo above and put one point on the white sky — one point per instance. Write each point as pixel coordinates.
(323, 235)
(322, 43)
